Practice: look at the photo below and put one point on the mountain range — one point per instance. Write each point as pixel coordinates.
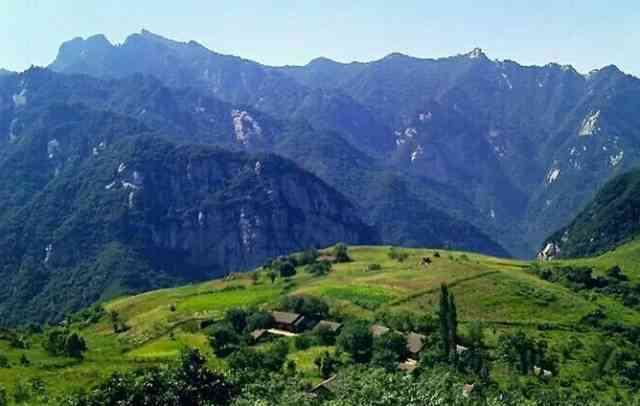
(525, 146)
(156, 162)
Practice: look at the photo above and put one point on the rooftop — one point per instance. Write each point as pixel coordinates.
(286, 317)
(378, 330)
(415, 342)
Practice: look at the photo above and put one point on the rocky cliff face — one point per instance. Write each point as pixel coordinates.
(232, 211)
(187, 115)
(145, 213)
(526, 145)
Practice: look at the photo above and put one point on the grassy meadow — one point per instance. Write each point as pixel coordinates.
(500, 293)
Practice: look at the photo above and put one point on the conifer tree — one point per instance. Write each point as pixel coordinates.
(443, 315)
(452, 327)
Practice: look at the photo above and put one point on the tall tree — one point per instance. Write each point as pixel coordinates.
(452, 325)
(443, 316)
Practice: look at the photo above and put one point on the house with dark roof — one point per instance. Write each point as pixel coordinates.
(467, 389)
(408, 366)
(329, 325)
(415, 344)
(258, 335)
(325, 388)
(292, 322)
(377, 330)
(537, 371)
(461, 348)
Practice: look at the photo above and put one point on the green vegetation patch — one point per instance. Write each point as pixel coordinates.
(368, 297)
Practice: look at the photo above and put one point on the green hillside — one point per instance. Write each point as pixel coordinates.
(505, 296)
(609, 220)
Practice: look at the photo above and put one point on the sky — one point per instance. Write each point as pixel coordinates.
(587, 34)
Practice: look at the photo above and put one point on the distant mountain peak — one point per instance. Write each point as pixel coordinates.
(150, 36)
(476, 53)
(322, 61)
(98, 39)
(396, 55)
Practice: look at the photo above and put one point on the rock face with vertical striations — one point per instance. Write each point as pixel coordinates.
(146, 213)
(527, 146)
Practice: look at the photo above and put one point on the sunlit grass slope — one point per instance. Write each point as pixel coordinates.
(498, 292)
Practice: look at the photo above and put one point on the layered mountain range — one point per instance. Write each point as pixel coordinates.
(156, 162)
(526, 146)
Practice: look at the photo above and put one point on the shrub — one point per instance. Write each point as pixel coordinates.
(287, 269)
(325, 335)
(4, 361)
(391, 345)
(308, 257)
(320, 268)
(616, 273)
(21, 392)
(54, 342)
(373, 267)
(275, 356)
(310, 306)
(237, 319)
(302, 342)
(19, 342)
(188, 383)
(395, 254)
(223, 340)
(259, 320)
(357, 341)
(249, 359)
(341, 253)
(594, 318)
(75, 346)
(327, 364)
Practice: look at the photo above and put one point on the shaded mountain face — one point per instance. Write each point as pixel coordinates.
(526, 146)
(186, 115)
(98, 204)
(142, 213)
(611, 219)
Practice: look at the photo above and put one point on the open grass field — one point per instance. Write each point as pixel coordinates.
(500, 293)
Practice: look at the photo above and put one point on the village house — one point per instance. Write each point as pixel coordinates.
(258, 335)
(377, 330)
(467, 389)
(415, 344)
(329, 325)
(460, 348)
(292, 322)
(537, 371)
(325, 388)
(408, 366)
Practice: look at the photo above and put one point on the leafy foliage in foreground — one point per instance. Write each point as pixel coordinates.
(190, 383)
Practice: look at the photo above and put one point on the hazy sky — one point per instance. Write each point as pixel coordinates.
(586, 33)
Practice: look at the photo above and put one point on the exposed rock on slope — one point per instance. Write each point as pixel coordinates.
(145, 213)
(526, 145)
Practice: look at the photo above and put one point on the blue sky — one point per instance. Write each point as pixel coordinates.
(587, 33)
